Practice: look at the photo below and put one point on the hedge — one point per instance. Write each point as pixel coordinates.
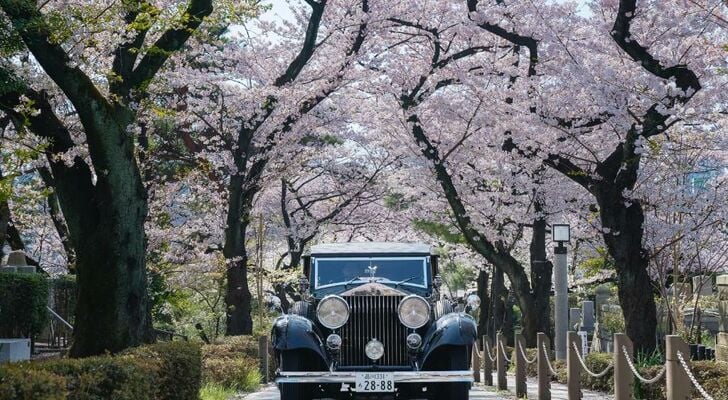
(23, 300)
(162, 371)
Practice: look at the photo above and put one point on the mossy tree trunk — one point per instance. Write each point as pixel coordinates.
(105, 211)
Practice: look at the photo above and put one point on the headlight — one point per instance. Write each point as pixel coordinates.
(414, 311)
(332, 312)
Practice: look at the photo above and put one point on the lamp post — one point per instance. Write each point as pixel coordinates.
(560, 234)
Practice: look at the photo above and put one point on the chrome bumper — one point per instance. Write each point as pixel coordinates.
(399, 377)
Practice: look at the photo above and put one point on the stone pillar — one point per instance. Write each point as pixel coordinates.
(623, 380)
(602, 295)
(587, 316)
(721, 350)
(561, 301)
(544, 375)
(573, 369)
(501, 361)
(677, 381)
(487, 363)
(702, 285)
(574, 319)
(520, 343)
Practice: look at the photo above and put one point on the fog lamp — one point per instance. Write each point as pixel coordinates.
(333, 342)
(374, 349)
(414, 341)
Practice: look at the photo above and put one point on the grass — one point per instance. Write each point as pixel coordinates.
(212, 391)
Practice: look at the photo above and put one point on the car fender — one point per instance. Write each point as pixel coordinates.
(453, 329)
(293, 332)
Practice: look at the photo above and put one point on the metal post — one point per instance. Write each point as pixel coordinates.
(501, 362)
(573, 369)
(263, 356)
(677, 380)
(476, 363)
(544, 377)
(520, 343)
(487, 363)
(561, 301)
(623, 380)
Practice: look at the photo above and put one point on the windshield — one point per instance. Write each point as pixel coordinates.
(340, 271)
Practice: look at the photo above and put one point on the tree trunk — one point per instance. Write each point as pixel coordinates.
(498, 295)
(484, 311)
(113, 310)
(623, 222)
(237, 298)
(541, 277)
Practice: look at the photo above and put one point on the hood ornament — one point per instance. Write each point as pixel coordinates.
(371, 270)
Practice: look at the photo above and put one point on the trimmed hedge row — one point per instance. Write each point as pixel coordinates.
(163, 371)
(23, 303)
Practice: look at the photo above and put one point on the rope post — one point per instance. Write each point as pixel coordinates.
(623, 381)
(263, 356)
(573, 368)
(678, 383)
(476, 363)
(487, 363)
(520, 366)
(543, 346)
(501, 362)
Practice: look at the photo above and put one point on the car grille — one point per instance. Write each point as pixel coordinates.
(373, 317)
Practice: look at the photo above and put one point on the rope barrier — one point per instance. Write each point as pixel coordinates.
(685, 367)
(488, 352)
(523, 354)
(548, 362)
(477, 351)
(503, 350)
(637, 374)
(586, 369)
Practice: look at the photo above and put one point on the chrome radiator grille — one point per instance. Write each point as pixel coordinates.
(373, 317)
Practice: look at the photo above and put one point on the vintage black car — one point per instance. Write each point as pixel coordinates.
(372, 324)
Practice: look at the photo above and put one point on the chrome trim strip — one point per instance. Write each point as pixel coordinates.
(399, 377)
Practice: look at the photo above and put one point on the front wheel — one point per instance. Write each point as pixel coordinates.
(292, 361)
(457, 390)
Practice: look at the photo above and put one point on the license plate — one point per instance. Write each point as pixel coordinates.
(374, 382)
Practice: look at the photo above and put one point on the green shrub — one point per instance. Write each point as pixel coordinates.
(177, 367)
(23, 303)
(597, 362)
(104, 377)
(232, 363)
(213, 391)
(22, 382)
(242, 374)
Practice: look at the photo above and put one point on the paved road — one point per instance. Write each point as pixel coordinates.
(479, 392)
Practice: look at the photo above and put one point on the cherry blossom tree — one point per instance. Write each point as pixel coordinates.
(99, 67)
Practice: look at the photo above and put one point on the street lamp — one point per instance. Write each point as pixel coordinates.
(560, 234)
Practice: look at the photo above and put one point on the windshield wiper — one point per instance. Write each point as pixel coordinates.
(404, 280)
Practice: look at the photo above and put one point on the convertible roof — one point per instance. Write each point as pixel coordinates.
(370, 248)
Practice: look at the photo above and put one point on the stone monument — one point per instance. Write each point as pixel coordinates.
(17, 262)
